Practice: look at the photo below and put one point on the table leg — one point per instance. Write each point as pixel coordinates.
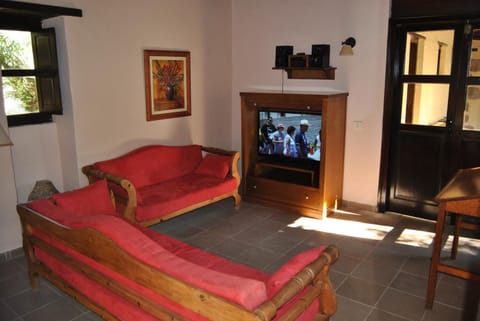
(437, 247)
(456, 236)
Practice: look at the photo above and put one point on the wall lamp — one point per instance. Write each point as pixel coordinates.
(347, 46)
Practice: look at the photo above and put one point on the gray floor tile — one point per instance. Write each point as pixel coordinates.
(28, 301)
(361, 290)
(346, 264)
(14, 285)
(417, 265)
(6, 313)
(349, 310)
(402, 304)
(411, 284)
(441, 312)
(379, 315)
(379, 273)
(62, 310)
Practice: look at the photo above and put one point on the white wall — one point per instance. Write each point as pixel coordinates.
(101, 63)
(105, 50)
(259, 26)
(232, 45)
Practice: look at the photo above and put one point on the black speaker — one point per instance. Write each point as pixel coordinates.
(281, 55)
(320, 56)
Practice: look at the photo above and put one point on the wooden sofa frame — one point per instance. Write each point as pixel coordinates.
(130, 202)
(103, 250)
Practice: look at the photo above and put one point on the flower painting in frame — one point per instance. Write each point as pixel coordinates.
(167, 84)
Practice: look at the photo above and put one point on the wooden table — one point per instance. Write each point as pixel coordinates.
(460, 196)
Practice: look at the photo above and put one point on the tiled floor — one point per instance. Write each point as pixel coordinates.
(381, 274)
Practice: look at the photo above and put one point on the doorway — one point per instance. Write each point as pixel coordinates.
(432, 112)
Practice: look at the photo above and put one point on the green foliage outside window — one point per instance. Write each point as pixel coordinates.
(23, 89)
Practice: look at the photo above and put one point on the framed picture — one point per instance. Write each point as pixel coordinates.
(167, 84)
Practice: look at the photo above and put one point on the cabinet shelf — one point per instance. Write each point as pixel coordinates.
(309, 72)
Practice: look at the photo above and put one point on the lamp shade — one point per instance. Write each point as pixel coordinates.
(4, 139)
(346, 50)
(42, 189)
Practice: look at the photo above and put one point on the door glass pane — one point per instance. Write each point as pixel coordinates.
(475, 54)
(429, 52)
(424, 104)
(471, 115)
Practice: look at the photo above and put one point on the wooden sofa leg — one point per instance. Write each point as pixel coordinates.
(32, 274)
(238, 200)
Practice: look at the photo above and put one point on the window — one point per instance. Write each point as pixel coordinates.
(31, 87)
(426, 77)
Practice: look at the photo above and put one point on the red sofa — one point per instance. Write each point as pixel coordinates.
(157, 182)
(124, 271)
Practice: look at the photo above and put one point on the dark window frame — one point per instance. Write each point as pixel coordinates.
(24, 16)
(46, 73)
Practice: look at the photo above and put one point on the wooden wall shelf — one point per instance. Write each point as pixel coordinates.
(309, 72)
(299, 67)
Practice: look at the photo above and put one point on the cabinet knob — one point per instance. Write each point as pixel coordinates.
(254, 186)
(308, 107)
(307, 197)
(254, 104)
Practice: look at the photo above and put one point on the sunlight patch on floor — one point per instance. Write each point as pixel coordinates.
(342, 227)
(466, 245)
(415, 238)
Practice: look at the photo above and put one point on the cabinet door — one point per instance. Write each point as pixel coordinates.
(284, 193)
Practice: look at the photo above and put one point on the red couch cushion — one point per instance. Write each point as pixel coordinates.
(164, 198)
(214, 165)
(93, 199)
(246, 292)
(289, 269)
(116, 305)
(153, 164)
(204, 258)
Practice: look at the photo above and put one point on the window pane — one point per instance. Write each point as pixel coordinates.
(16, 50)
(475, 54)
(429, 52)
(471, 115)
(20, 95)
(424, 104)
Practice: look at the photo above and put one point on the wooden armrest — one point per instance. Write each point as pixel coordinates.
(315, 274)
(92, 173)
(131, 202)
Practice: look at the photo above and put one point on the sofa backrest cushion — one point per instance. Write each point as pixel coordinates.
(246, 292)
(153, 164)
(93, 199)
(214, 165)
(290, 269)
(50, 210)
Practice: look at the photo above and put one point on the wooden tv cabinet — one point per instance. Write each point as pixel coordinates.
(308, 191)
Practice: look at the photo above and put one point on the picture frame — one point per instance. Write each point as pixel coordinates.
(167, 84)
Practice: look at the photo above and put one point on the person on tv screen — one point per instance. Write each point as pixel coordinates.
(267, 129)
(277, 139)
(301, 140)
(289, 148)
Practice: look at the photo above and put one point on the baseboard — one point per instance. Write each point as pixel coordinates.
(359, 206)
(11, 255)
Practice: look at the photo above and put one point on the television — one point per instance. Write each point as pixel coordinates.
(281, 143)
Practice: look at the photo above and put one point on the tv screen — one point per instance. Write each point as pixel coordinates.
(290, 136)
